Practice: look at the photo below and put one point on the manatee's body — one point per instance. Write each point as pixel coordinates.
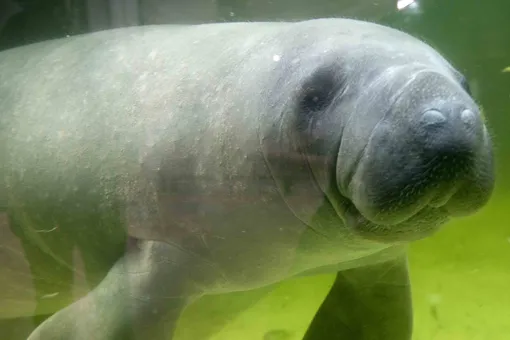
(189, 160)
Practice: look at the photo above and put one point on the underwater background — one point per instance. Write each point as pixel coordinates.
(461, 275)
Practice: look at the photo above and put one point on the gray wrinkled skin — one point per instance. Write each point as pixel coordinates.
(181, 161)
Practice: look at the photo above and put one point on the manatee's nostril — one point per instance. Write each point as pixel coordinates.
(468, 117)
(432, 117)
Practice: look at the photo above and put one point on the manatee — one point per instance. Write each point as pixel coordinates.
(146, 167)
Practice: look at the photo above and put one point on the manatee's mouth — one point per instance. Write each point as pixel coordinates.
(423, 224)
(405, 205)
(427, 159)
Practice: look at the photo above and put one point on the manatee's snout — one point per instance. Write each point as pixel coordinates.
(430, 153)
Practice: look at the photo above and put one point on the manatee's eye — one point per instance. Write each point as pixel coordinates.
(315, 99)
(465, 84)
(319, 90)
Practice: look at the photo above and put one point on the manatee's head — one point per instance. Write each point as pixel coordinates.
(392, 134)
(427, 158)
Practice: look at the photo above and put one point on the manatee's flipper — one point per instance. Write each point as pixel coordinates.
(366, 303)
(141, 298)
